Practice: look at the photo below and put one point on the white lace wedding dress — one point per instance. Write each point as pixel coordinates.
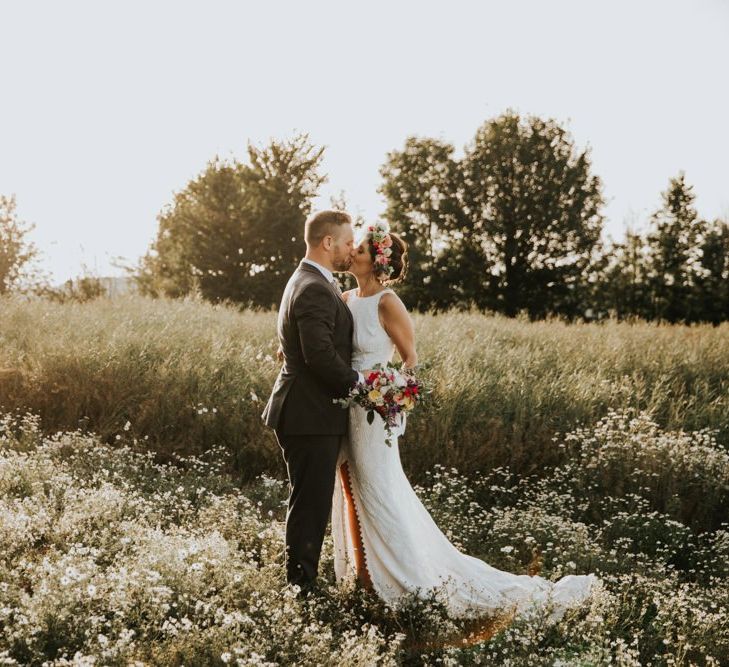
(384, 536)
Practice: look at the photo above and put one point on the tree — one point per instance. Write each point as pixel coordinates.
(422, 189)
(236, 231)
(712, 281)
(512, 225)
(535, 210)
(677, 271)
(16, 252)
(674, 255)
(622, 288)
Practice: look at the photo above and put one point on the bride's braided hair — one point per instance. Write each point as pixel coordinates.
(389, 253)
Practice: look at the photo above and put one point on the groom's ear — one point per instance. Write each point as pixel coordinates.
(327, 242)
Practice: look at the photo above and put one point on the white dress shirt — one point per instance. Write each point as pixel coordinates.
(330, 277)
(324, 271)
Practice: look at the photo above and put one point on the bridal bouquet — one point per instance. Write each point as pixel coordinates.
(387, 392)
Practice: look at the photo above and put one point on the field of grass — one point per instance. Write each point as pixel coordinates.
(188, 376)
(142, 502)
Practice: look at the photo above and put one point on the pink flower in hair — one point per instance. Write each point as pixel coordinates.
(379, 236)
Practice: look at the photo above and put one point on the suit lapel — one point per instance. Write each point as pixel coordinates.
(303, 266)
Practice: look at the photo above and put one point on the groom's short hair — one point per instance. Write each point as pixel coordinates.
(324, 223)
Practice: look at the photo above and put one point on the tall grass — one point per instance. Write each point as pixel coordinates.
(600, 448)
(188, 375)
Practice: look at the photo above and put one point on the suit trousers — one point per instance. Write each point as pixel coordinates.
(311, 462)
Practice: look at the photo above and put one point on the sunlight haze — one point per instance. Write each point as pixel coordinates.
(110, 108)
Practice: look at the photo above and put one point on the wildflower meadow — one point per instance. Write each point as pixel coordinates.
(142, 502)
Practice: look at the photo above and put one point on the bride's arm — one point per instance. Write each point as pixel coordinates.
(397, 323)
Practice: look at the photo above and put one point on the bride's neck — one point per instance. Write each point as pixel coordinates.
(368, 286)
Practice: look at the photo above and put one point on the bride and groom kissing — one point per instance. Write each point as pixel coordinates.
(337, 461)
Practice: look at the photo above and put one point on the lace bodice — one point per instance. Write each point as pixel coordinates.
(370, 343)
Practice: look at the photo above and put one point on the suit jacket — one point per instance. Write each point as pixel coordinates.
(315, 330)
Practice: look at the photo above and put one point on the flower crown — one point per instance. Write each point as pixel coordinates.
(379, 236)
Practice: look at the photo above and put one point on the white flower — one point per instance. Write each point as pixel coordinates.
(269, 481)
(507, 550)
(127, 426)
(226, 657)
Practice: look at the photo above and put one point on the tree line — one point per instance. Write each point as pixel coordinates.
(513, 225)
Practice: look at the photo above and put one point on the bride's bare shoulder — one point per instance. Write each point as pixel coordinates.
(391, 305)
(345, 295)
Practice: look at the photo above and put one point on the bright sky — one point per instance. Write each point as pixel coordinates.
(108, 108)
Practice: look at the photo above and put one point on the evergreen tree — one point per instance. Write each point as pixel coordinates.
(712, 282)
(623, 289)
(673, 253)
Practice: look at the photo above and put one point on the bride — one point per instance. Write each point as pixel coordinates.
(384, 538)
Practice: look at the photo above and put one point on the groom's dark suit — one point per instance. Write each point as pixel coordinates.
(315, 334)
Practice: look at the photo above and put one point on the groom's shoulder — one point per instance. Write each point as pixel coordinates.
(307, 282)
(304, 276)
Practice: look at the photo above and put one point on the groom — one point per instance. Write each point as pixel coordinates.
(315, 336)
